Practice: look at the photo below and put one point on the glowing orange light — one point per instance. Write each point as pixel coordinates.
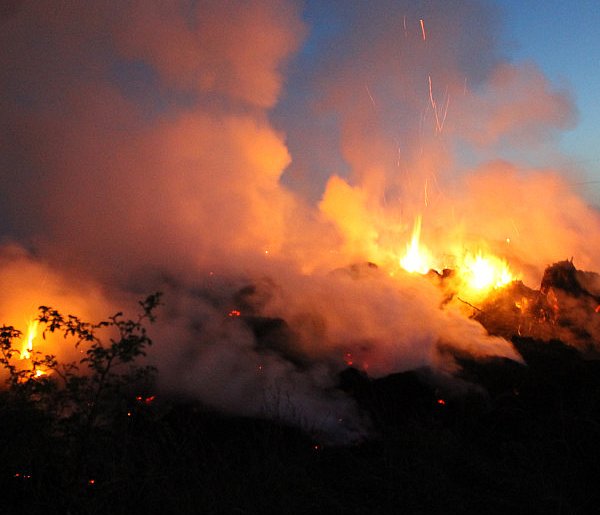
(483, 273)
(32, 327)
(597, 310)
(234, 313)
(417, 258)
(441, 402)
(423, 30)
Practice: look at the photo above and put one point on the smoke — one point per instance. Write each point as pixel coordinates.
(206, 147)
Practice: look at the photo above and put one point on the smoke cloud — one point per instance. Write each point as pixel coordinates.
(242, 157)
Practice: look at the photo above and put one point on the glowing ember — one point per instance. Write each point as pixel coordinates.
(441, 402)
(423, 33)
(145, 400)
(348, 359)
(234, 313)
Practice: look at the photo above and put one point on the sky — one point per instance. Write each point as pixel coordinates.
(562, 38)
(558, 37)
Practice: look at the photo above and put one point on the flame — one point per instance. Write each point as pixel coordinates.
(32, 329)
(417, 258)
(27, 349)
(477, 274)
(484, 273)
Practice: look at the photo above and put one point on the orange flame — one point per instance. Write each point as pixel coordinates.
(477, 274)
(417, 258)
(32, 328)
(484, 273)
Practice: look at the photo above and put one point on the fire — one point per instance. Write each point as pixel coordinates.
(27, 348)
(483, 273)
(417, 258)
(477, 274)
(32, 329)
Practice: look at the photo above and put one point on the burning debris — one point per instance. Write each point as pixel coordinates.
(563, 309)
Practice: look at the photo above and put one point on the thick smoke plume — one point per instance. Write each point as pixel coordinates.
(242, 158)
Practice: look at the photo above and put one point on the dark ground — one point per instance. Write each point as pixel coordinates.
(532, 445)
